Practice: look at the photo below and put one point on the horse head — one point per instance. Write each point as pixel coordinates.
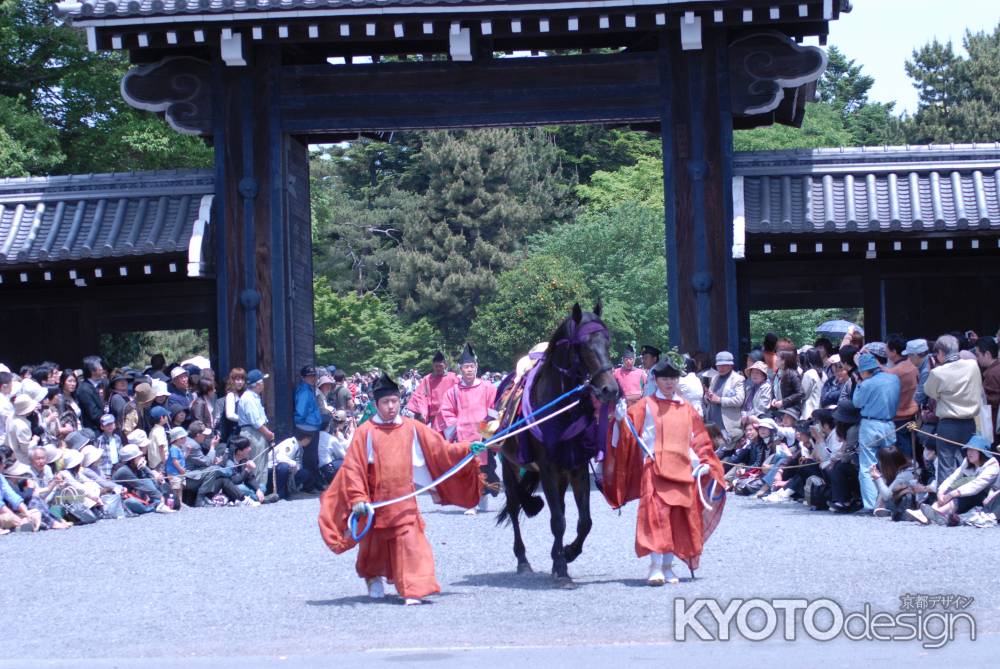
(579, 349)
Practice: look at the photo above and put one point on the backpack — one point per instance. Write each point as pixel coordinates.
(817, 494)
(748, 486)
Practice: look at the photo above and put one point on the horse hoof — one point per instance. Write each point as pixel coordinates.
(524, 568)
(564, 582)
(571, 553)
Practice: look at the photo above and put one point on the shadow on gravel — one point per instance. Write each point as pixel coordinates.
(365, 600)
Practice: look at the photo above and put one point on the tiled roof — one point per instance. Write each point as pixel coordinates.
(89, 9)
(94, 216)
(869, 190)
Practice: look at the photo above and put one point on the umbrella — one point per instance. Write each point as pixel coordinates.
(838, 328)
(202, 362)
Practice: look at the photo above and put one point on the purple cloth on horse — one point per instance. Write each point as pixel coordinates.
(571, 439)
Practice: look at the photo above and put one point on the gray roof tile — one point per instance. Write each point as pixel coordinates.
(871, 190)
(93, 216)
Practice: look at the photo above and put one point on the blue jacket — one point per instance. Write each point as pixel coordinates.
(878, 396)
(306, 408)
(9, 495)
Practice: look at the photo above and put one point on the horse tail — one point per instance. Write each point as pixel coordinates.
(521, 493)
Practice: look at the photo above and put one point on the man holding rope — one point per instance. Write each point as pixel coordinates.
(390, 456)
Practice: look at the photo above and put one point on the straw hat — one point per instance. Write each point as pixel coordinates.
(52, 454)
(91, 454)
(129, 452)
(138, 438)
(72, 458)
(144, 393)
(24, 404)
(17, 469)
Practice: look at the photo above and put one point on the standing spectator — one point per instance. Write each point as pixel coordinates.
(177, 462)
(134, 415)
(690, 386)
(308, 419)
(88, 395)
(916, 352)
(180, 393)
(156, 453)
(957, 387)
(842, 472)
(788, 383)
(986, 356)
(157, 363)
(812, 382)
(253, 421)
(203, 407)
(118, 396)
(907, 410)
(110, 445)
(236, 383)
(341, 397)
(877, 397)
(724, 398)
(67, 402)
(757, 392)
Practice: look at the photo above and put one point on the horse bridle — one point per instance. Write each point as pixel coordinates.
(578, 337)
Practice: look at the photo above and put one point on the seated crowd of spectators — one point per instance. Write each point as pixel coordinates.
(77, 446)
(904, 429)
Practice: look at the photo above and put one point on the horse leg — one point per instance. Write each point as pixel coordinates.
(551, 488)
(513, 511)
(581, 493)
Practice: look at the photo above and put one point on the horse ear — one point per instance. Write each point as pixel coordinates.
(599, 307)
(577, 312)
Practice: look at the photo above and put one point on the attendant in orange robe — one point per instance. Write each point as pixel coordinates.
(391, 456)
(425, 402)
(464, 408)
(670, 519)
(629, 377)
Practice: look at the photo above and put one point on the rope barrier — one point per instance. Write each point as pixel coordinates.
(913, 428)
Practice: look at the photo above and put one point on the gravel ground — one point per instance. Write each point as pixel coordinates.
(212, 585)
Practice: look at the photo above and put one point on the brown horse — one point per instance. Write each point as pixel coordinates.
(556, 454)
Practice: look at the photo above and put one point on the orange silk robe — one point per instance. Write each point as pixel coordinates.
(670, 511)
(395, 547)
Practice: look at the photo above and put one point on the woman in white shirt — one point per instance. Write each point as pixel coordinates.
(812, 382)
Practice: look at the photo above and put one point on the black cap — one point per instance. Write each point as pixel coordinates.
(384, 387)
(308, 370)
(650, 350)
(192, 370)
(438, 357)
(665, 368)
(629, 352)
(468, 355)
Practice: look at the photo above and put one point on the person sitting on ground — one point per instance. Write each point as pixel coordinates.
(143, 485)
(791, 480)
(894, 478)
(926, 486)
(14, 513)
(92, 471)
(746, 475)
(965, 488)
(75, 485)
(780, 452)
(244, 470)
(286, 464)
